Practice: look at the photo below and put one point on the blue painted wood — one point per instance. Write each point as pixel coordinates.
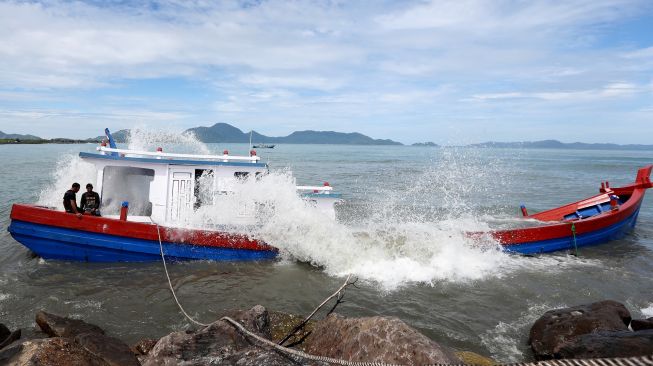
(613, 232)
(51, 242)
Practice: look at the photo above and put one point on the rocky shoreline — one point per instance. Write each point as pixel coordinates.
(602, 329)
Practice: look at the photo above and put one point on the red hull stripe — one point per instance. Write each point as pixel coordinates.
(138, 230)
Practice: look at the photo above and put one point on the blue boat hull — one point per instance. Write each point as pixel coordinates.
(600, 236)
(52, 242)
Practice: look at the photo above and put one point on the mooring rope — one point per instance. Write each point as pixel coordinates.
(165, 267)
(626, 361)
(573, 232)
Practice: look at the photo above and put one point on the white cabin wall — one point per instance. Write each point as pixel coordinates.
(159, 193)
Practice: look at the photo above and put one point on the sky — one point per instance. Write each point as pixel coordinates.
(451, 72)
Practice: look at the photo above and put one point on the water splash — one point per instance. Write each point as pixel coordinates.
(142, 138)
(410, 231)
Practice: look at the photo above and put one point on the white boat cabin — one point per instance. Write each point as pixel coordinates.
(166, 187)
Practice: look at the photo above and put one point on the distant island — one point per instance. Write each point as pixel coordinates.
(429, 144)
(555, 144)
(224, 132)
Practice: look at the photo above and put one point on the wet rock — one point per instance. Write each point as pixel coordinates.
(143, 346)
(56, 326)
(471, 358)
(13, 336)
(216, 343)
(49, 352)
(4, 332)
(375, 339)
(608, 344)
(556, 327)
(111, 350)
(641, 324)
(282, 323)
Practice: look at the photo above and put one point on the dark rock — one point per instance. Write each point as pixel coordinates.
(143, 346)
(13, 336)
(641, 324)
(214, 344)
(608, 344)
(375, 339)
(56, 326)
(556, 327)
(111, 350)
(4, 332)
(49, 352)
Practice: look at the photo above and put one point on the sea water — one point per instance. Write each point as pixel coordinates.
(400, 232)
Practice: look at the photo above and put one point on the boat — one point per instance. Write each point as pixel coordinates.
(145, 196)
(607, 216)
(263, 146)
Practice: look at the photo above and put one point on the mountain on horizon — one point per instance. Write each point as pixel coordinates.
(555, 144)
(18, 136)
(224, 132)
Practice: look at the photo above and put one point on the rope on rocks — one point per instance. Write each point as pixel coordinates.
(626, 361)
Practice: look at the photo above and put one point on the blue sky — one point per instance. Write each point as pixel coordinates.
(451, 72)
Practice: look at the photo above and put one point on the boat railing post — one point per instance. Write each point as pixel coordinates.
(124, 208)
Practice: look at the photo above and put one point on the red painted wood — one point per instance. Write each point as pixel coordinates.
(561, 228)
(138, 230)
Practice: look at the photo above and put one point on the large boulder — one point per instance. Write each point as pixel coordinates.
(641, 324)
(375, 339)
(608, 344)
(218, 343)
(56, 326)
(49, 352)
(111, 350)
(556, 327)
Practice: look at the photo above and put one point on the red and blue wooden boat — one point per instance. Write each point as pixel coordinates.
(56, 234)
(592, 221)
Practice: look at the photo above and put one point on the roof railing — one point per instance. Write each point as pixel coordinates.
(161, 155)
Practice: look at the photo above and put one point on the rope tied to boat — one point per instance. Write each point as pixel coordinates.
(573, 233)
(165, 268)
(630, 361)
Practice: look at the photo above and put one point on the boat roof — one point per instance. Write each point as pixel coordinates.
(159, 157)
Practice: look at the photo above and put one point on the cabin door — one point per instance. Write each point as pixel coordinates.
(180, 194)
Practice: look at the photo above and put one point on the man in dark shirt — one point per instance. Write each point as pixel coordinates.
(90, 202)
(70, 200)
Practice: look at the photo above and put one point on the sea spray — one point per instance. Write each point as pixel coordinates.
(409, 232)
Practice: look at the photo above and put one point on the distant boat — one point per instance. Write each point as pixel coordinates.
(263, 146)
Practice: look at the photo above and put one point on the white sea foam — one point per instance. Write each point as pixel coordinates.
(389, 246)
(648, 311)
(503, 339)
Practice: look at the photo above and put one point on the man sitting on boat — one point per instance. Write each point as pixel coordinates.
(90, 202)
(70, 200)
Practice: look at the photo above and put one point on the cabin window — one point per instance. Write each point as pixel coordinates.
(127, 184)
(241, 175)
(204, 187)
(244, 175)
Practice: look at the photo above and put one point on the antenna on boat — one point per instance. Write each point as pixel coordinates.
(250, 139)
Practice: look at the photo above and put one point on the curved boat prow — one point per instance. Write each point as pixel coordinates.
(591, 221)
